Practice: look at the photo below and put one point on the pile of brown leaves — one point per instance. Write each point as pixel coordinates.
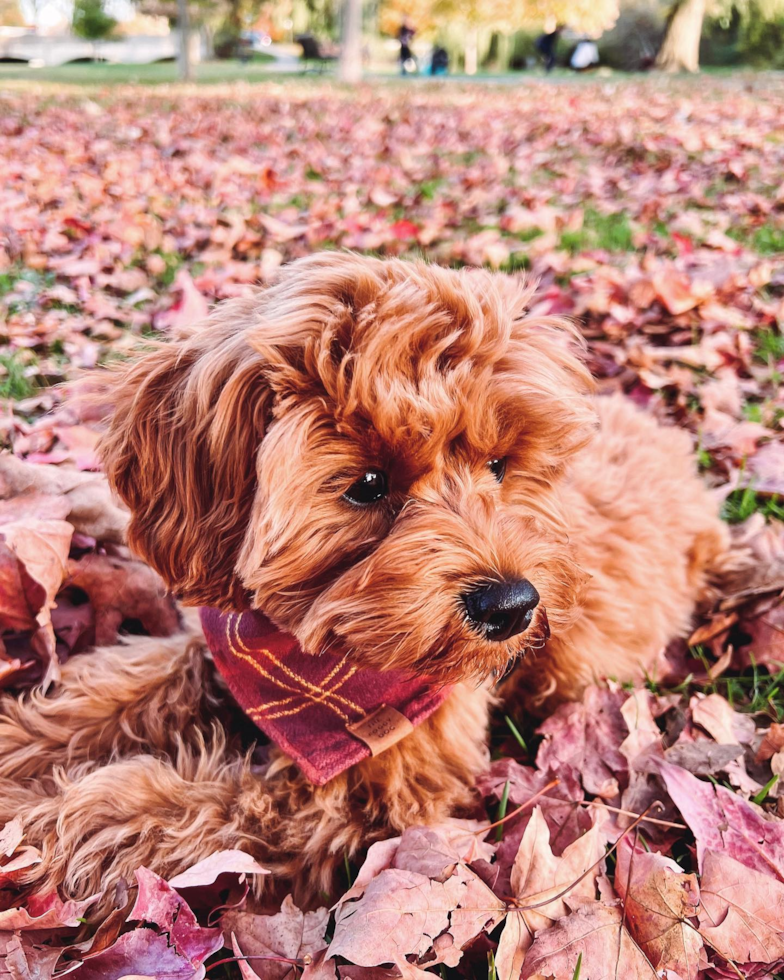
(642, 831)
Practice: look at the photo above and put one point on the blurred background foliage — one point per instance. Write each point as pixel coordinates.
(629, 33)
(478, 35)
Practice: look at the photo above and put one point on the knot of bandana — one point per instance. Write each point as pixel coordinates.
(321, 709)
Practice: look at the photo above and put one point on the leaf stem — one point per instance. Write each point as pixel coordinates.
(536, 796)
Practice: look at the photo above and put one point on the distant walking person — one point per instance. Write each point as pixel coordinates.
(547, 43)
(408, 63)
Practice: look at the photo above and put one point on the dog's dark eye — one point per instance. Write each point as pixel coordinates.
(498, 468)
(369, 489)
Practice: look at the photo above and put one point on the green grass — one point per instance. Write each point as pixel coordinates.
(611, 232)
(428, 188)
(25, 297)
(516, 733)
(14, 381)
(502, 806)
(347, 866)
(741, 504)
(753, 412)
(160, 73)
(491, 970)
(173, 262)
(755, 690)
(769, 346)
(768, 240)
(529, 234)
(517, 262)
(764, 793)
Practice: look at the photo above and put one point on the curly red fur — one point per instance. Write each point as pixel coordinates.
(233, 446)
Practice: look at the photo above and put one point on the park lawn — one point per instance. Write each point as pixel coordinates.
(102, 74)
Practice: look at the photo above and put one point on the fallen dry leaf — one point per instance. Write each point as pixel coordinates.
(405, 913)
(722, 821)
(158, 903)
(123, 590)
(141, 950)
(538, 874)
(727, 726)
(742, 911)
(595, 933)
(290, 933)
(765, 473)
(702, 758)
(772, 742)
(23, 960)
(142, 208)
(222, 862)
(84, 499)
(45, 912)
(658, 901)
(33, 561)
(587, 736)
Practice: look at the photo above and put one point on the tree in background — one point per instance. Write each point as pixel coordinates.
(473, 16)
(760, 31)
(420, 13)
(90, 21)
(322, 15)
(184, 50)
(350, 64)
(477, 17)
(10, 14)
(760, 27)
(590, 17)
(680, 50)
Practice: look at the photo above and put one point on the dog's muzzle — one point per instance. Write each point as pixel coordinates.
(500, 610)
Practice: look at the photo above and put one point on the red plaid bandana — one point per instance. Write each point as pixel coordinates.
(322, 710)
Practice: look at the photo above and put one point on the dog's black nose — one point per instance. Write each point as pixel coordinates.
(499, 610)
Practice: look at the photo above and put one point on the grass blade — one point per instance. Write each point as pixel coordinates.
(499, 833)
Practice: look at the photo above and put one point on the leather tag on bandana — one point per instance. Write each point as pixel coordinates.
(385, 726)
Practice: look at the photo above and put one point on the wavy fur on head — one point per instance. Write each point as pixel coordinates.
(233, 447)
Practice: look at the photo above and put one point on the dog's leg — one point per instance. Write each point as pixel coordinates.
(96, 825)
(128, 763)
(123, 768)
(134, 696)
(81, 767)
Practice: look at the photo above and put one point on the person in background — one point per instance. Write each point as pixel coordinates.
(585, 55)
(547, 43)
(439, 61)
(408, 63)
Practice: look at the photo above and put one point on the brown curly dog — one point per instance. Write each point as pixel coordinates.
(403, 471)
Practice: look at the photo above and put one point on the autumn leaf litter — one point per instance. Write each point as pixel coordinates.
(654, 213)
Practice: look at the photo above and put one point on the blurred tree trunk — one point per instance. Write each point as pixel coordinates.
(184, 53)
(234, 20)
(680, 50)
(350, 65)
(471, 51)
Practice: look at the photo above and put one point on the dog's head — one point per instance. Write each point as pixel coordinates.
(367, 452)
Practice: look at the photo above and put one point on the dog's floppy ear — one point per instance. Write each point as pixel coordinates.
(181, 451)
(189, 418)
